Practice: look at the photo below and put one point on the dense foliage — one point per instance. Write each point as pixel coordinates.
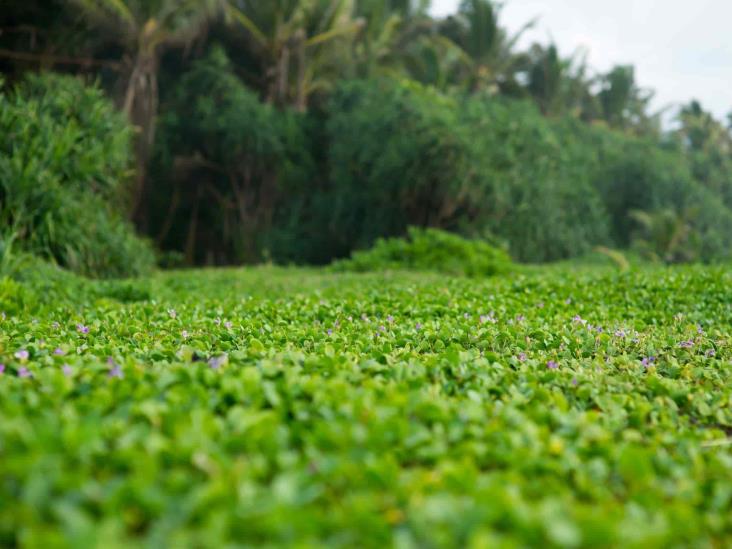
(301, 408)
(302, 130)
(225, 162)
(64, 157)
(430, 250)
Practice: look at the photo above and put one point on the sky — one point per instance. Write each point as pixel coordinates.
(682, 49)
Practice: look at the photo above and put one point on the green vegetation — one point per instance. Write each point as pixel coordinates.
(426, 389)
(284, 407)
(299, 131)
(64, 157)
(430, 250)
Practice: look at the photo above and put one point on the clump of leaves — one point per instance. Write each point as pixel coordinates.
(666, 235)
(64, 161)
(430, 250)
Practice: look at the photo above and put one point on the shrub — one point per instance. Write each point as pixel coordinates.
(64, 156)
(430, 250)
(535, 180)
(633, 174)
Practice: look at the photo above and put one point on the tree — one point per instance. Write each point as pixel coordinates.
(559, 86)
(390, 31)
(294, 42)
(488, 57)
(144, 28)
(700, 131)
(624, 104)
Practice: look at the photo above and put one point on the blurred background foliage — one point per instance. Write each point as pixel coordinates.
(241, 131)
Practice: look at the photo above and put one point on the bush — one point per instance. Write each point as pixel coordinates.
(64, 156)
(633, 174)
(430, 250)
(28, 283)
(535, 177)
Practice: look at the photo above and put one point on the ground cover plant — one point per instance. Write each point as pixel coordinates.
(308, 408)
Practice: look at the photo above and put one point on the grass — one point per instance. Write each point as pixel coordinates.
(304, 408)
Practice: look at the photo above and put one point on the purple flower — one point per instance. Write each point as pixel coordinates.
(22, 355)
(466, 316)
(647, 361)
(227, 325)
(67, 370)
(55, 325)
(364, 318)
(599, 329)
(699, 330)
(217, 321)
(687, 344)
(390, 319)
(172, 313)
(2, 368)
(418, 326)
(552, 365)
(24, 372)
(711, 353)
(488, 318)
(58, 351)
(330, 332)
(217, 361)
(520, 318)
(115, 370)
(521, 357)
(620, 333)
(382, 328)
(575, 382)
(184, 334)
(82, 329)
(540, 305)
(579, 319)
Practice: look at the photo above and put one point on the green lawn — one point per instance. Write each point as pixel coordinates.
(300, 407)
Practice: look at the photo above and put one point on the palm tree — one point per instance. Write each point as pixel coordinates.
(293, 40)
(391, 29)
(666, 235)
(559, 86)
(488, 57)
(701, 132)
(144, 28)
(624, 104)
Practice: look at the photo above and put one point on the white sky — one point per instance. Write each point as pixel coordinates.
(680, 48)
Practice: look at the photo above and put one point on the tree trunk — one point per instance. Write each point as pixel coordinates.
(301, 99)
(141, 107)
(283, 76)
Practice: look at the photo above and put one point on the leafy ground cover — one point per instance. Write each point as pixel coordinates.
(306, 408)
